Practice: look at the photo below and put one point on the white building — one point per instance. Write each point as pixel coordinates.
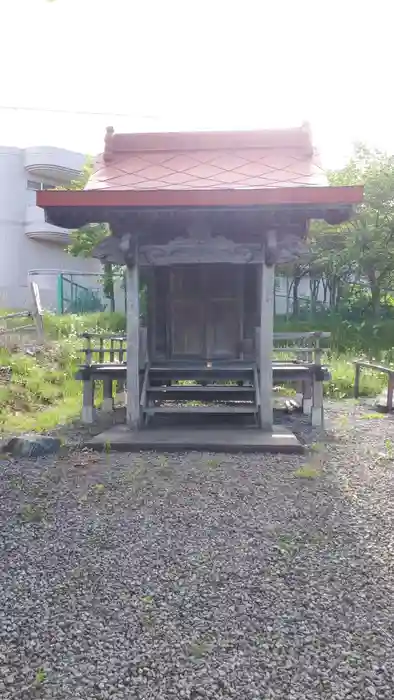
(27, 242)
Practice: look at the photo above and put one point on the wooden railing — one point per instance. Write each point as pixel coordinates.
(389, 371)
(306, 346)
(110, 348)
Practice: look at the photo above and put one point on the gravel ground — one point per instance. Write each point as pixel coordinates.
(202, 576)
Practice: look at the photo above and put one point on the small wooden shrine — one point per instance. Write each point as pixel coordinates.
(200, 220)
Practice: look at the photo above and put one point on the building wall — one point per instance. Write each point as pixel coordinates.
(20, 253)
(284, 294)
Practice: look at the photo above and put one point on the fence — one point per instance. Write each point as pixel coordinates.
(10, 323)
(71, 291)
(73, 297)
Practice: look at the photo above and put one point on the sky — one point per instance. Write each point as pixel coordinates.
(72, 67)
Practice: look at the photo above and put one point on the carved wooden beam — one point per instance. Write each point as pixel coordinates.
(108, 251)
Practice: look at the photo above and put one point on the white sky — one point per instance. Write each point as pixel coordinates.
(184, 64)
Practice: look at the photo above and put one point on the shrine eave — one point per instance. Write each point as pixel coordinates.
(74, 208)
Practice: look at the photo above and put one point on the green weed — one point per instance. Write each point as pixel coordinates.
(147, 599)
(285, 544)
(199, 649)
(213, 462)
(308, 471)
(32, 514)
(389, 445)
(41, 676)
(372, 416)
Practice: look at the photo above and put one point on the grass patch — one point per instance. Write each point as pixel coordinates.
(43, 393)
(372, 416)
(341, 385)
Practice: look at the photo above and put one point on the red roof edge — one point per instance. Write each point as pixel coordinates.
(298, 138)
(330, 197)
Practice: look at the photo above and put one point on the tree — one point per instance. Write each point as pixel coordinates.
(84, 239)
(360, 250)
(367, 241)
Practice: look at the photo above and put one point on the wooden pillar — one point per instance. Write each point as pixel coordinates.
(317, 412)
(133, 327)
(266, 342)
(108, 402)
(307, 397)
(317, 415)
(88, 401)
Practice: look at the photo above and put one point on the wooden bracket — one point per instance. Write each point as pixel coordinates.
(271, 248)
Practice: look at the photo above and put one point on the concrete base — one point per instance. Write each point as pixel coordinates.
(202, 439)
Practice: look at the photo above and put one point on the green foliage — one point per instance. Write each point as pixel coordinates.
(369, 238)
(67, 325)
(86, 238)
(360, 250)
(42, 392)
(355, 337)
(341, 384)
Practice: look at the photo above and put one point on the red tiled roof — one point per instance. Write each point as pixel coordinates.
(203, 169)
(208, 160)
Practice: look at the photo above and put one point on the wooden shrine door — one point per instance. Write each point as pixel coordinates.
(206, 311)
(186, 312)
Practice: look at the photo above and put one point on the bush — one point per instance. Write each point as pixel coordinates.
(65, 325)
(374, 339)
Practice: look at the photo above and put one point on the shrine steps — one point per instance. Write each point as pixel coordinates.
(227, 389)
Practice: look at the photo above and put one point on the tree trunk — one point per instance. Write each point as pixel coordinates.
(375, 297)
(109, 285)
(339, 294)
(333, 292)
(314, 287)
(296, 301)
(326, 285)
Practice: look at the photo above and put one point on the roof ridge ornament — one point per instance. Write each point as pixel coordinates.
(109, 144)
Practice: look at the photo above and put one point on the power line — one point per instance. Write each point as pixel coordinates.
(12, 108)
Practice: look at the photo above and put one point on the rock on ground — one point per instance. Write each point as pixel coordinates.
(32, 445)
(202, 576)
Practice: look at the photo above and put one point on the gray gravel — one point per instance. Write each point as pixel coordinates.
(202, 576)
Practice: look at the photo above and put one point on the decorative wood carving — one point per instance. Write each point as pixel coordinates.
(127, 246)
(289, 247)
(116, 250)
(120, 250)
(214, 250)
(108, 251)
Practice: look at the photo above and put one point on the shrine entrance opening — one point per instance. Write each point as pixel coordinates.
(205, 309)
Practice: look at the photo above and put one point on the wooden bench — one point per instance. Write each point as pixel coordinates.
(389, 371)
(307, 350)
